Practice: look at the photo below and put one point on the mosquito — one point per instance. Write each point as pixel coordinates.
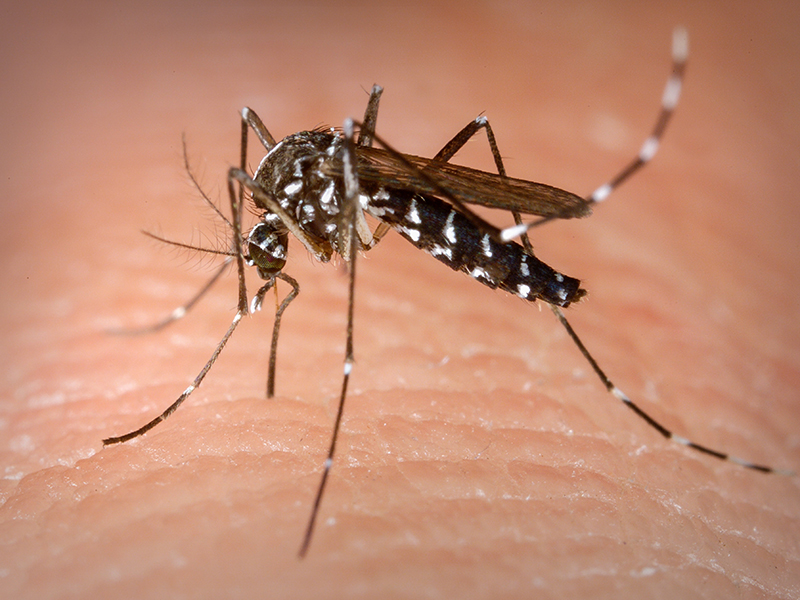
(319, 185)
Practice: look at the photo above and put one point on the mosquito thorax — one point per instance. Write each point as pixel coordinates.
(295, 173)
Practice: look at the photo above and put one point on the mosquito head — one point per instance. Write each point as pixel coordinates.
(267, 245)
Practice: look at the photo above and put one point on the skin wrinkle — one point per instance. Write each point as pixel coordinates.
(505, 470)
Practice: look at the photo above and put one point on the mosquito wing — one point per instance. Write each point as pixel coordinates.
(426, 176)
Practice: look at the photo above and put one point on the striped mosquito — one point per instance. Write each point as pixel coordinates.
(318, 185)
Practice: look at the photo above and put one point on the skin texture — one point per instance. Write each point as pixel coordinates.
(479, 455)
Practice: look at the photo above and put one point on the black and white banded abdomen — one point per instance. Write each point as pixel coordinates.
(437, 228)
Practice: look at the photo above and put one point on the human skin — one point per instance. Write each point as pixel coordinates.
(479, 456)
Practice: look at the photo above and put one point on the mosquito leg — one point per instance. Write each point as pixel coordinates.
(186, 393)
(349, 210)
(367, 130)
(273, 351)
(669, 100)
(250, 117)
(236, 203)
(440, 189)
(242, 311)
(461, 138)
(236, 217)
(366, 135)
(255, 306)
(467, 133)
(622, 397)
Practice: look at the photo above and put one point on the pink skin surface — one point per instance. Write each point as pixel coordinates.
(479, 457)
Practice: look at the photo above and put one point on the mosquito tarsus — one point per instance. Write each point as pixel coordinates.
(319, 184)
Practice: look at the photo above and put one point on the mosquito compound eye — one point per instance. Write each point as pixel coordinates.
(267, 248)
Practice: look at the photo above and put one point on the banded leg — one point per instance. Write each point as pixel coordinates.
(648, 150)
(255, 306)
(257, 125)
(669, 100)
(186, 393)
(367, 130)
(366, 135)
(458, 142)
(350, 209)
(249, 118)
(350, 213)
(622, 397)
(235, 200)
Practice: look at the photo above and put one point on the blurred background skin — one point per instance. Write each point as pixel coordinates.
(479, 456)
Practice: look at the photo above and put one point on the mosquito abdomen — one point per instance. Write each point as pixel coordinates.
(437, 228)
